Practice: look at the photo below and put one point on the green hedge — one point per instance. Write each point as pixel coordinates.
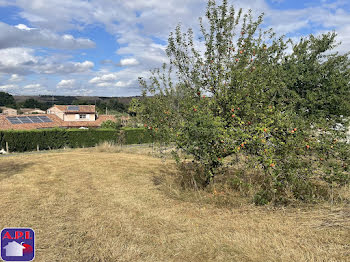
(136, 136)
(89, 138)
(28, 140)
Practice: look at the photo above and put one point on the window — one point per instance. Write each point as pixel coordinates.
(82, 116)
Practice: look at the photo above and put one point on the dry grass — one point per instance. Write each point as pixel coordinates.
(87, 205)
(109, 147)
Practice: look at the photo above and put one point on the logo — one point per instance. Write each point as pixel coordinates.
(17, 244)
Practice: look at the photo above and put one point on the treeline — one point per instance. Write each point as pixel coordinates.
(112, 105)
(8, 100)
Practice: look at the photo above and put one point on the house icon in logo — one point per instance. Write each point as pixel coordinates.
(14, 249)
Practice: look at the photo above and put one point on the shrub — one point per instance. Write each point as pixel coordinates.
(21, 141)
(137, 136)
(89, 138)
(109, 124)
(28, 140)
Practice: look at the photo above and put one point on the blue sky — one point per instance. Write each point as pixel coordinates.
(101, 47)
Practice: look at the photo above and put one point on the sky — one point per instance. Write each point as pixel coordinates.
(101, 47)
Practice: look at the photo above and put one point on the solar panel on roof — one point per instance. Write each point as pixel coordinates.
(14, 120)
(45, 119)
(29, 119)
(36, 120)
(73, 108)
(25, 120)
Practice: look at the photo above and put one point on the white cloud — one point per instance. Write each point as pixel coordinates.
(16, 56)
(15, 78)
(86, 65)
(69, 83)
(129, 62)
(17, 60)
(55, 15)
(103, 78)
(123, 84)
(23, 27)
(105, 84)
(68, 37)
(66, 68)
(8, 87)
(23, 36)
(32, 86)
(23, 61)
(148, 53)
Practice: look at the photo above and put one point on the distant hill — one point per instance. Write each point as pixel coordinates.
(67, 100)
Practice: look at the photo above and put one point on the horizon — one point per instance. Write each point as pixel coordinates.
(74, 96)
(100, 48)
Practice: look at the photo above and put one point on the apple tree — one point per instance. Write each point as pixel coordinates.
(241, 90)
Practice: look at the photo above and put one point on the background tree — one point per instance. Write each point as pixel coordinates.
(32, 103)
(81, 102)
(247, 94)
(133, 106)
(113, 105)
(7, 100)
(116, 105)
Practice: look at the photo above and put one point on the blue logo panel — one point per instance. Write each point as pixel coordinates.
(17, 244)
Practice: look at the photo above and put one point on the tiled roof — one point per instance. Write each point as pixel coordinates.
(6, 124)
(82, 108)
(56, 122)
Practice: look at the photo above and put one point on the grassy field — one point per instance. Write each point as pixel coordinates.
(86, 205)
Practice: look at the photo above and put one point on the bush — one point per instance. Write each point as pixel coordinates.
(137, 136)
(90, 138)
(109, 124)
(21, 141)
(28, 140)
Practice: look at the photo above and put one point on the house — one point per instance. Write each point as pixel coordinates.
(58, 116)
(74, 113)
(8, 111)
(29, 111)
(41, 121)
(14, 249)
